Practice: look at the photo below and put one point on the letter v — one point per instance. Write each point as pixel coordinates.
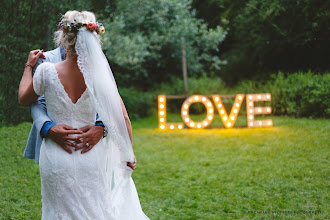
(228, 121)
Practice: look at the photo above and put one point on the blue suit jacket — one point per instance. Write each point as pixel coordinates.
(39, 110)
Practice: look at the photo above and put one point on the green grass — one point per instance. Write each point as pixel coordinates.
(201, 174)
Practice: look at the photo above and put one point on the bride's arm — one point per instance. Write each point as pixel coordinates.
(26, 93)
(129, 129)
(127, 120)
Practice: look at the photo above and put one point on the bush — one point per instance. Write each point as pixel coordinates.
(203, 85)
(138, 104)
(200, 85)
(301, 94)
(296, 94)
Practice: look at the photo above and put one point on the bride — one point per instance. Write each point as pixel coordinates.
(97, 184)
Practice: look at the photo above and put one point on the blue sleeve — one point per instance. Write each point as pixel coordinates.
(39, 113)
(38, 108)
(99, 123)
(46, 127)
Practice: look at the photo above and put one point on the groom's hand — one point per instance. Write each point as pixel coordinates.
(60, 135)
(91, 136)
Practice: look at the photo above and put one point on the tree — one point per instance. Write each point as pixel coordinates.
(271, 35)
(143, 42)
(25, 25)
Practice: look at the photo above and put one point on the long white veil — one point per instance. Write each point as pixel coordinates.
(102, 86)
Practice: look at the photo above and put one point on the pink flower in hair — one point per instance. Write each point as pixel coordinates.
(91, 26)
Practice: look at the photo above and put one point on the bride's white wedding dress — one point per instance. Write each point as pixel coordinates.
(76, 186)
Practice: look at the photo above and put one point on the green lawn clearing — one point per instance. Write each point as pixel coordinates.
(201, 174)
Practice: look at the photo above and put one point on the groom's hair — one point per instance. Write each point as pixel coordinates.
(68, 38)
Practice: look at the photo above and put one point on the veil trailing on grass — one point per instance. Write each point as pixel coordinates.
(101, 84)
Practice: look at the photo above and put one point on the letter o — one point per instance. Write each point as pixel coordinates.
(185, 111)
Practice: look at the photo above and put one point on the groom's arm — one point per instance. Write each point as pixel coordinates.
(39, 115)
(39, 110)
(60, 133)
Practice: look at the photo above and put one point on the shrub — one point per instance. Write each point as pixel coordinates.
(297, 94)
(199, 85)
(301, 94)
(138, 104)
(203, 85)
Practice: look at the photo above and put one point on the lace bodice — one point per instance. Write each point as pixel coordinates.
(60, 107)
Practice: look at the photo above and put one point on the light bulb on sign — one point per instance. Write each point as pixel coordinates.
(269, 122)
(259, 109)
(162, 127)
(185, 106)
(209, 104)
(210, 117)
(268, 109)
(225, 118)
(161, 106)
(192, 124)
(162, 113)
(260, 123)
(237, 105)
(203, 99)
(216, 99)
(219, 105)
(232, 117)
(250, 96)
(235, 110)
(161, 99)
(199, 125)
(180, 126)
(251, 117)
(251, 111)
(210, 110)
(239, 97)
(228, 124)
(184, 113)
(172, 126)
(205, 123)
(196, 98)
(187, 119)
(259, 96)
(222, 111)
(161, 120)
(250, 103)
(268, 96)
(251, 123)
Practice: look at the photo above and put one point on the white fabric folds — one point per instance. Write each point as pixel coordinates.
(101, 84)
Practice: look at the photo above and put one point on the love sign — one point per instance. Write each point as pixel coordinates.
(228, 120)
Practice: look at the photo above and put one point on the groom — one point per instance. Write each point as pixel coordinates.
(43, 126)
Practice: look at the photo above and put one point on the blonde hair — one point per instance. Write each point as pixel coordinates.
(68, 39)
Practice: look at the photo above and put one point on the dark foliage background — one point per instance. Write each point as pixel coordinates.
(270, 35)
(228, 39)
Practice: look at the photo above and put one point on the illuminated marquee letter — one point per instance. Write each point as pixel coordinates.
(251, 110)
(185, 111)
(228, 121)
(162, 115)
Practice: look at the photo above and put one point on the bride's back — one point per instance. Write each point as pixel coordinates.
(71, 77)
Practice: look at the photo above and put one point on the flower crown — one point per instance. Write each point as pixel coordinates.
(76, 25)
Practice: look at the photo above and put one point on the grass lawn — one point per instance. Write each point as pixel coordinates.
(201, 174)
